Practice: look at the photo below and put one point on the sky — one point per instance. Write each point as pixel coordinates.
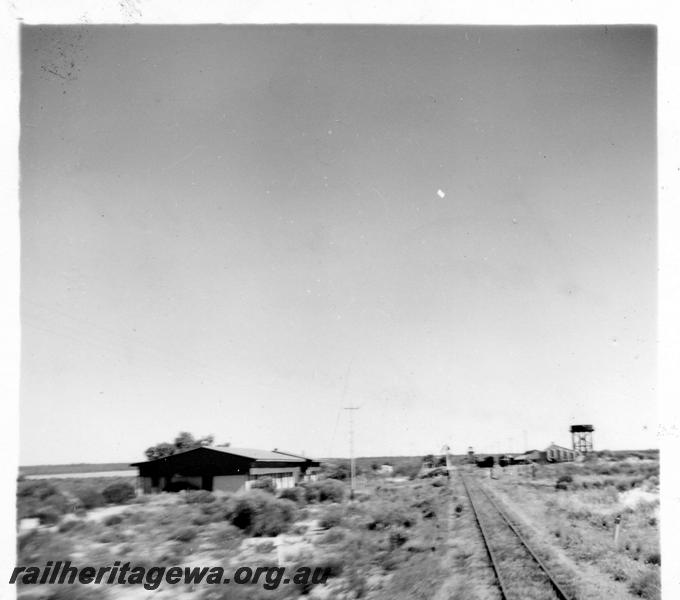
(239, 231)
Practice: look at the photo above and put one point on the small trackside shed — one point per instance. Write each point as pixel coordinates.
(223, 468)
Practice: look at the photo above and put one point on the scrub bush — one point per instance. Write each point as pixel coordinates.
(39, 497)
(118, 493)
(563, 482)
(48, 515)
(184, 534)
(647, 585)
(294, 494)
(331, 490)
(259, 513)
(90, 497)
(332, 517)
(198, 497)
(113, 520)
(265, 484)
(327, 490)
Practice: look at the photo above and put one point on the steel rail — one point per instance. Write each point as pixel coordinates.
(487, 544)
(559, 591)
(561, 594)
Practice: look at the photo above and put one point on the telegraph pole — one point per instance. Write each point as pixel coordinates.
(352, 466)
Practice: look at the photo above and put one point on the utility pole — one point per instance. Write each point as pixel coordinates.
(352, 466)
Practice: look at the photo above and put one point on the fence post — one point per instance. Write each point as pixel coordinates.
(617, 529)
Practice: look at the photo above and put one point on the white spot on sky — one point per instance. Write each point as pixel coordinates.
(440, 193)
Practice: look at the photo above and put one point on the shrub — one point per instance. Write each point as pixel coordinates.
(333, 536)
(653, 558)
(266, 484)
(48, 515)
(408, 469)
(295, 494)
(184, 534)
(200, 519)
(647, 585)
(90, 497)
(418, 545)
(332, 517)
(113, 520)
(118, 493)
(260, 514)
(427, 510)
(265, 547)
(213, 509)
(224, 536)
(310, 492)
(563, 482)
(71, 524)
(35, 496)
(327, 490)
(397, 538)
(384, 516)
(331, 490)
(336, 471)
(172, 554)
(333, 566)
(57, 501)
(37, 547)
(199, 497)
(39, 489)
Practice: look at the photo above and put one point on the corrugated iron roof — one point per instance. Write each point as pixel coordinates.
(277, 451)
(559, 447)
(252, 453)
(256, 454)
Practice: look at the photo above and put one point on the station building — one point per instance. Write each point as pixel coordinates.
(224, 469)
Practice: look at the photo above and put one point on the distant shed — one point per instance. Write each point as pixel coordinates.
(224, 468)
(552, 453)
(555, 453)
(528, 457)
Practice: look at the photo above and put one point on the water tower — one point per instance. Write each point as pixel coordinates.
(582, 438)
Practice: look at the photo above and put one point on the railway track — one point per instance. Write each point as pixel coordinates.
(521, 574)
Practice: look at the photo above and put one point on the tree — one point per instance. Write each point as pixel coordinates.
(118, 493)
(186, 441)
(160, 451)
(183, 442)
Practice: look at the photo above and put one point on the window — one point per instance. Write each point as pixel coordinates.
(273, 476)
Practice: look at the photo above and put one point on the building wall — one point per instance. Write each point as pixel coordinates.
(229, 483)
(285, 477)
(558, 454)
(194, 481)
(147, 484)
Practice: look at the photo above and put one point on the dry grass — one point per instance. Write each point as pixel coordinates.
(579, 517)
(379, 545)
